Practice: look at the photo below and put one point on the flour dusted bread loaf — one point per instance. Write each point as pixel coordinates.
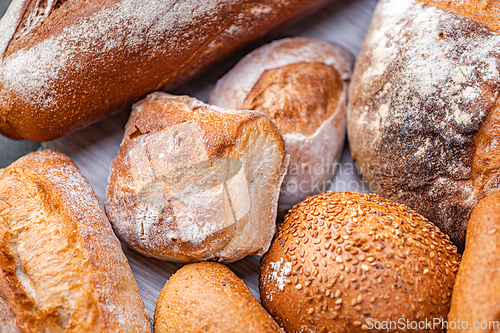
(301, 84)
(195, 182)
(423, 116)
(208, 297)
(476, 295)
(349, 262)
(65, 64)
(61, 267)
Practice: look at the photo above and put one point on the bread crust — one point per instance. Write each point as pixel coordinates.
(66, 64)
(424, 86)
(301, 84)
(209, 297)
(61, 266)
(476, 295)
(341, 259)
(195, 182)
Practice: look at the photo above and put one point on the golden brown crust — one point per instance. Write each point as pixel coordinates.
(486, 12)
(298, 97)
(209, 297)
(82, 60)
(61, 266)
(420, 101)
(194, 182)
(476, 295)
(340, 259)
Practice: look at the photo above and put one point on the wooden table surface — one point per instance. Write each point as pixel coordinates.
(344, 22)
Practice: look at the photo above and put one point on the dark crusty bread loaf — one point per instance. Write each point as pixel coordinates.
(423, 115)
(65, 64)
(61, 267)
(476, 295)
(209, 297)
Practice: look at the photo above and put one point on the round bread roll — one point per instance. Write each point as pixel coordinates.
(195, 182)
(348, 262)
(476, 294)
(301, 84)
(423, 118)
(209, 297)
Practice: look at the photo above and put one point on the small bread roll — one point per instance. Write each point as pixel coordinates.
(61, 267)
(194, 182)
(301, 84)
(341, 262)
(208, 297)
(476, 295)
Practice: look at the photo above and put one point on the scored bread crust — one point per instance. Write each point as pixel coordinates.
(208, 296)
(476, 295)
(65, 64)
(423, 111)
(195, 182)
(342, 261)
(61, 267)
(308, 105)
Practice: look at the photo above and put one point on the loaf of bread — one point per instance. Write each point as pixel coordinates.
(423, 115)
(301, 84)
(476, 295)
(65, 64)
(350, 262)
(195, 182)
(209, 297)
(61, 267)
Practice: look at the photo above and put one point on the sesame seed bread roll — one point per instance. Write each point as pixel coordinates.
(195, 182)
(423, 118)
(62, 269)
(209, 297)
(342, 261)
(301, 84)
(65, 64)
(476, 295)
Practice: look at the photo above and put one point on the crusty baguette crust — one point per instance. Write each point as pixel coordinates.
(209, 297)
(424, 87)
(476, 295)
(61, 266)
(195, 182)
(301, 84)
(68, 63)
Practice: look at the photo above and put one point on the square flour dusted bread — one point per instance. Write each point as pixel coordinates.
(195, 182)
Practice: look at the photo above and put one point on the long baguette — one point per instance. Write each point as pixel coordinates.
(66, 64)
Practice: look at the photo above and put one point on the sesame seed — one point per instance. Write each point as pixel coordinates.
(298, 287)
(338, 301)
(310, 311)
